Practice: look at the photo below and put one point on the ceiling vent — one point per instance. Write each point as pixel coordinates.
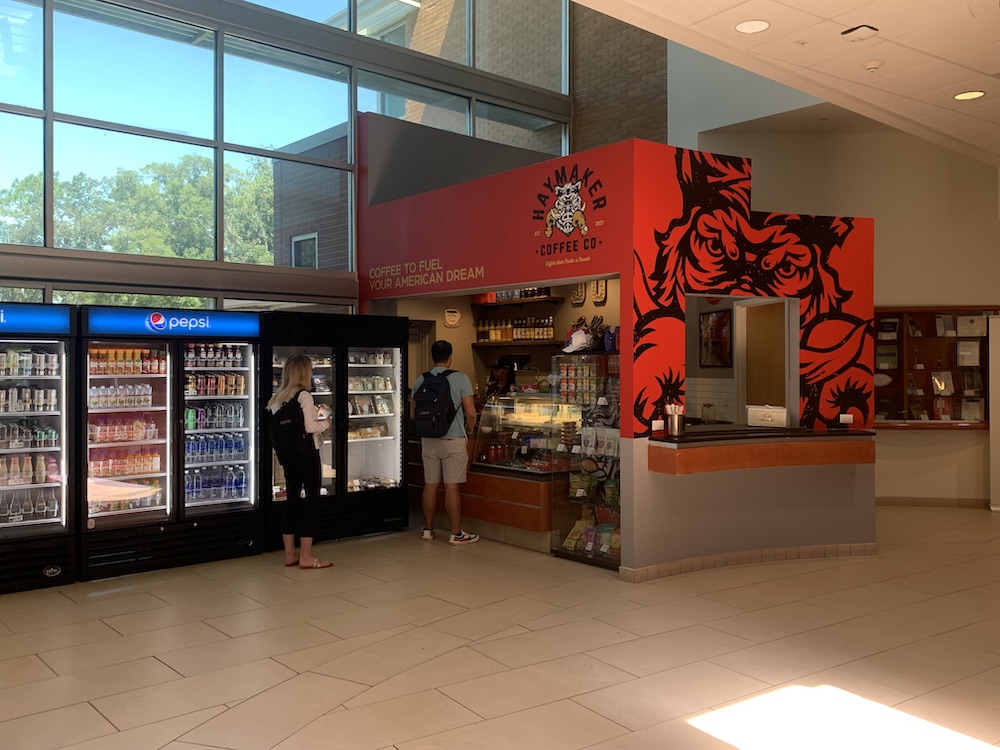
(860, 33)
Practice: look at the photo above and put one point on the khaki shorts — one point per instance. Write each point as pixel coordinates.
(444, 459)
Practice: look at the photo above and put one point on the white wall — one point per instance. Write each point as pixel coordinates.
(937, 242)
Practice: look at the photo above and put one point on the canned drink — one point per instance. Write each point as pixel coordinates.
(51, 364)
(38, 363)
(39, 399)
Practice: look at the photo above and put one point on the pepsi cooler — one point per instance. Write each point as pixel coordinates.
(37, 546)
(168, 465)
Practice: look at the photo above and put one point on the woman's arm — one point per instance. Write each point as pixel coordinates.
(313, 425)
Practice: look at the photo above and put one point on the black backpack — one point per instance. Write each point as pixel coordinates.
(288, 431)
(434, 409)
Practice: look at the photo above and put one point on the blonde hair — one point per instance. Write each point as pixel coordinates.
(296, 375)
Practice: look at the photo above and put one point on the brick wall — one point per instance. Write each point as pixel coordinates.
(618, 79)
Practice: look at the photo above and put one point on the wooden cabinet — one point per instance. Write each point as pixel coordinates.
(931, 367)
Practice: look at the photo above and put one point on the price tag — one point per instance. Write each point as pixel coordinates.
(589, 547)
(524, 450)
(560, 448)
(581, 493)
(513, 435)
(15, 519)
(576, 449)
(605, 549)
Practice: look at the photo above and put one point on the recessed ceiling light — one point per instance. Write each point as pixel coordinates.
(966, 95)
(752, 27)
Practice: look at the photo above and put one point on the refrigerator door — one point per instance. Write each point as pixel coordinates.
(128, 407)
(219, 429)
(375, 423)
(324, 378)
(33, 411)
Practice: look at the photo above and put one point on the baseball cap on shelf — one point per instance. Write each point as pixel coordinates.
(579, 341)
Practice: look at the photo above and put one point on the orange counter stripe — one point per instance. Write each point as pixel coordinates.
(695, 460)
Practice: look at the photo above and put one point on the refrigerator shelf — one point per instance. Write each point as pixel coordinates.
(120, 409)
(217, 369)
(35, 449)
(221, 462)
(387, 366)
(20, 521)
(127, 443)
(364, 393)
(126, 511)
(27, 486)
(129, 376)
(213, 430)
(30, 413)
(240, 397)
(371, 439)
(217, 501)
(30, 377)
(124, 477)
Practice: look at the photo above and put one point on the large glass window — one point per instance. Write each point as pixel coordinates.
(22, 198)
(434, 27)
(21, 294)
(122, 193)
(133, 68)
(284, 101)
(521, 40)
(21, 52)
(130, 299)
(329, 12)
(413, 103)
(521, 129)
(270, 201)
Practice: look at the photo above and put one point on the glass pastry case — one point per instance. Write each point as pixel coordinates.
(528, 434)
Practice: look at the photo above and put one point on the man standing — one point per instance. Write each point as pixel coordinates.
(446, 458)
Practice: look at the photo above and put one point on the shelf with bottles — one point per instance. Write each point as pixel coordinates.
(521, 331)
(25, 469)
(524, 295)
(931, 367)
(211, 355)
(29, 400)
(34, 360)
(109, 360)
(28, 433)
(225, 482)
(32, 504)
(215, 448)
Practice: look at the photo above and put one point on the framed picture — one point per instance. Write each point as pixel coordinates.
(715, 340)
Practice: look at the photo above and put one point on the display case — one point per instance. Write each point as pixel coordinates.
(931, 367)
(375, 423)
(586, 518)
(527, 434)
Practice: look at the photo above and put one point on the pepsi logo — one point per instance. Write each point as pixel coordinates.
(156, 321)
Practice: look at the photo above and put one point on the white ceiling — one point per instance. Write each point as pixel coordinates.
(930, 50)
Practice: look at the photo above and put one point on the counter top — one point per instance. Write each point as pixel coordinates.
(728, 433)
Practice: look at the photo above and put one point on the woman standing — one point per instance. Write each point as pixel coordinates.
(302, 470)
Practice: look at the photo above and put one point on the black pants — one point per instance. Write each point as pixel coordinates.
(301, 512)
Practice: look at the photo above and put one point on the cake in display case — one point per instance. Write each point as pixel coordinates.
(527, 434)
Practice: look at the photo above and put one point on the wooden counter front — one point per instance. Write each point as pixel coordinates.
(678, 458)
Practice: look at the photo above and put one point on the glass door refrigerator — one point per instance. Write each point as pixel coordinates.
(36, 519)
(169, 455)
(358, 372)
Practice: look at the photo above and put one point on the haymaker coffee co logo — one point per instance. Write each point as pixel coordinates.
(567, 202)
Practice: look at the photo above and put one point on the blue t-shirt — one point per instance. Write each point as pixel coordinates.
(460, 386)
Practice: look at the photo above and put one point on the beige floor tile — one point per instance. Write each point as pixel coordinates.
(765, 594)
(379, 725)
(245, 649)
(660, 618)
(527, 687)
(609, 605)
(150, 737)
(146, 583)
(309, 658)
(552, 643)
(480, 594)
(23, 602)
(492, 618)
(23, 669)
(669, 735)
(264, 720)
(397, 591)
(861, 573)
(56, 692)
(581, 592)
(923, 666)
(673, 588)
(867, 599)
(674, 648)
(984, 636)
(789, 658)
(943, 581)
(450, 668)
(129, 647)
(49, 730)
(380, 661)
(147, 705)
(71, 613)
(387, 616)
(202, 608)
(668, 695)
(507, 633)
(562, 725)
(778, 622)
(331, 581)
(270, 618)
(47, 639)
(195, 592)
(855, 684)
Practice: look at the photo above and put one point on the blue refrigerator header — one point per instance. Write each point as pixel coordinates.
(133, 321)
(15, 318)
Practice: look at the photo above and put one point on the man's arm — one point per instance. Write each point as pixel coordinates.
(469, 406)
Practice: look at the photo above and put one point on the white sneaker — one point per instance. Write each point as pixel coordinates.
(427, 535)
(462, 538)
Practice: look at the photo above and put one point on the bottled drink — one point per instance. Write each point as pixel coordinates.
(14, 475)
(240, 483)
(229, 484)
(3, 471)
(4, 508)
(52, 510)
(15, 508)
(39, 469)
(239, 447)
(27, 507)
(237, 356)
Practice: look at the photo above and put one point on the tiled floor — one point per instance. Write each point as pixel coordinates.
(419, 646)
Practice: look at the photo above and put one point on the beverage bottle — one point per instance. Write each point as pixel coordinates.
(14, 475)
(229, 452)
(154, 461)
(201, 455)
(3, 471)
(190, 416)
(197, 486)
(27, 507)
(202, 356)
(240, 483)
(39, 469)
(52, 471)
(4, 509)
(237, 356)
(238, 420)
(190, 357)
(213, 448)
(53, 504)
(15, 507)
